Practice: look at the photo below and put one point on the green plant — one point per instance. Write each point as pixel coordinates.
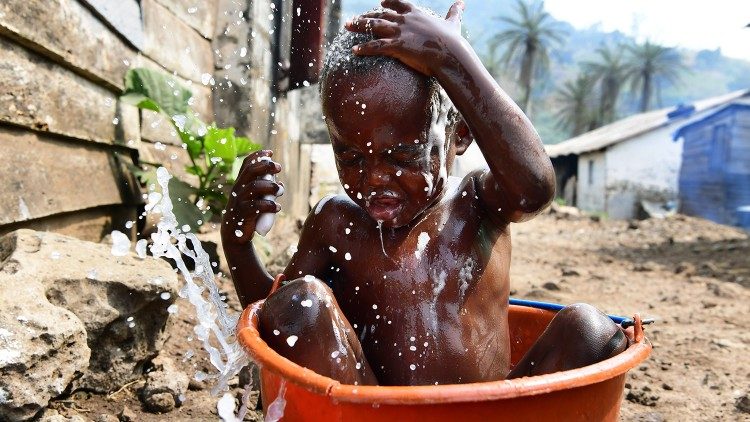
(215, 153)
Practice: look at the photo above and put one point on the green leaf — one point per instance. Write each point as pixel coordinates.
(221, 143)
(140, 101)
(236, 167)
(244, 146)
(156, 89)
(181, 194)
(194, 170)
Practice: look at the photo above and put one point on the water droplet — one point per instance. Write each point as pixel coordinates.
(374, 306)
(412, 366)
(276, 332)
(348, 256)
(130, 318)
(332, 249)
(185, 228)
(165, 295)
(306, 303)
(291, 340)
(238, 233)
(140, 248)
(120, 243)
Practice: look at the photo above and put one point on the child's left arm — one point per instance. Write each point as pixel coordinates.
(521, 180)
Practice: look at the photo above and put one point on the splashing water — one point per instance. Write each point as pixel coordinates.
(215, 325)
(380, 229)
(276, 409)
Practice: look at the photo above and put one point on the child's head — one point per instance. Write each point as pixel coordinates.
(393, 131)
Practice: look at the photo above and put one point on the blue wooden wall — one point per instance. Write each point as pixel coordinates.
(715, 173)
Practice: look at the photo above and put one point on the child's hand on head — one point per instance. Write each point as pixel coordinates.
(248, 201)
(418, 39)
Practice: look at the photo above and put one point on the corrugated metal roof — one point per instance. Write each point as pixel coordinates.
(743, 103)
(631, 126)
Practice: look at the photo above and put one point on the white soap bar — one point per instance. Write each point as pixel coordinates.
(266, 220)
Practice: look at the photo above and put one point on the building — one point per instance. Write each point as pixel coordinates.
(630, 165)
(714, 178)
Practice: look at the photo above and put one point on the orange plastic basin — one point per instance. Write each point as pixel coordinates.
(591, 393)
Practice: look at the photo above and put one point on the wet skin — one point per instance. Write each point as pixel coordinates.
(428, 304)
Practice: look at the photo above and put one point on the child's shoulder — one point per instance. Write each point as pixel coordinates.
(335, 209)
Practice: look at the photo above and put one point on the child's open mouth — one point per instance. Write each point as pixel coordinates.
(383, 207)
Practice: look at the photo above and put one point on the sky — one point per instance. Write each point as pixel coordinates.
(693, 24)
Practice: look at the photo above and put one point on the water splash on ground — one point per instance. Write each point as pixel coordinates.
(216, 327)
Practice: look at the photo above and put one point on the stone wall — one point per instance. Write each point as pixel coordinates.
(65, 138)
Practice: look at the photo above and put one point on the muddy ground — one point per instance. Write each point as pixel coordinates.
(693, 276)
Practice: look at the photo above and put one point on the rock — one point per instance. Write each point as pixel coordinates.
(120, 302)
(127, 415)
(106, 417)
(647, 266)
(642, 397)
(42, 347)
(570, 272)
(165, 386)
(743, 403)
(160, 402)
(551, 285)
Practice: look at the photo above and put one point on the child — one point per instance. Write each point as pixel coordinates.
(404, 280)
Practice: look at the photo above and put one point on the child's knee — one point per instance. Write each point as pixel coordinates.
(299, 303)
(595, 333)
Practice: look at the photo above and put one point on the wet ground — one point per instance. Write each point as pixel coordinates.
(693, 276)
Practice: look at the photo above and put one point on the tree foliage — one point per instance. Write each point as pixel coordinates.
(527, 39)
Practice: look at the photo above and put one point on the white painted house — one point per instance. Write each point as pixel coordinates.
(631, 163)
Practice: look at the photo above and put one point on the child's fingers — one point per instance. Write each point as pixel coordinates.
(398, 5)
(259, 187)
(377, 27)
(378, 47)
(253, 167)
(455, 12)
(385, 14)
(254, 207)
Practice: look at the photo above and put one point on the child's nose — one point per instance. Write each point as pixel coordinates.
(378, 175)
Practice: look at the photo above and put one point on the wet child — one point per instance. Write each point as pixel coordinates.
(405, 279)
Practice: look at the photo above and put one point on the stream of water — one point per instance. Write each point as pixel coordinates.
(216, 326)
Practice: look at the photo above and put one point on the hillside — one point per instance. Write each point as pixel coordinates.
(710, 73)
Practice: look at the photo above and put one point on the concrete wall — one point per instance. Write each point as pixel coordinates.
(591, 182)
(66, 139)
(642, 168)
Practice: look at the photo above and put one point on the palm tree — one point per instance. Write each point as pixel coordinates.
(575, 111)
(609, 71)
(528, 39)
(647, 63)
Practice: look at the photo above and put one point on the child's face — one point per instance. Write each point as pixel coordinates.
(390, 148)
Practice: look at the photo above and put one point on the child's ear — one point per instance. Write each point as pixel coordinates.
(462, 136)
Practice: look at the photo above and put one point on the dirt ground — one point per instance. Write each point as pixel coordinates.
(691, 275)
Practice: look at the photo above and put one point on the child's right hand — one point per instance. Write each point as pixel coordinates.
(246, 202)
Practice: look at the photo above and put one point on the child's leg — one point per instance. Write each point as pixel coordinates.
(303, 322)
(579, 335)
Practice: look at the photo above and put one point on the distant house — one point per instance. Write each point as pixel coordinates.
(629, 165)
(714, 180)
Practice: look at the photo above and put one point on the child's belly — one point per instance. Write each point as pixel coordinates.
(428, 343)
